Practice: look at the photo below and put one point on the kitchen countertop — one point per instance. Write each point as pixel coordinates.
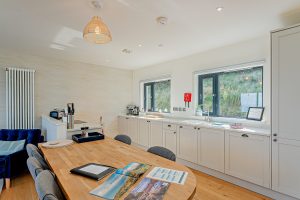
(77, 127)
(205, 124)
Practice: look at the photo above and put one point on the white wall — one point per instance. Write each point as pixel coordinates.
(182, 70)
(95, 90)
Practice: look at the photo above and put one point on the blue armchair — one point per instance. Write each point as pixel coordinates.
(16, 162)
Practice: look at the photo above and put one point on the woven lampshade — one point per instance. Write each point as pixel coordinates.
(96, 31)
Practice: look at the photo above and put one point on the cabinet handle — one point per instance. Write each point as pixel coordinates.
(198, 128)
(174, 132)
(275, 134)
(180, 127)
(127, 118)
(275, 140)
(195, 127)
(169, 125)
(245, 135)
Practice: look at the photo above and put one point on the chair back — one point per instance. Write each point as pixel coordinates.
(123, 138)
(33, 151)
(46, 187)
(163, 152)
(34, 167)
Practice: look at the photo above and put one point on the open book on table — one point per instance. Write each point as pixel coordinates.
(119, 182)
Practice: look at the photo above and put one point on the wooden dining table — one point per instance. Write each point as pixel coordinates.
(113, 153)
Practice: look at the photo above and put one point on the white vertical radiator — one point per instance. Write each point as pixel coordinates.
(19, 98)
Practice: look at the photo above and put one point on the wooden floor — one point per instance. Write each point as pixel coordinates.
(208, 188)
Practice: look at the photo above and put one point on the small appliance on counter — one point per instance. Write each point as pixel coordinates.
(70, 116)
(133, 110)
(57, 114)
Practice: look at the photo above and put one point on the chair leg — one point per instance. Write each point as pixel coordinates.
(7, 183)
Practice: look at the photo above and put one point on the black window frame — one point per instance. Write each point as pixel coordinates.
(216, 93)
(151, 84)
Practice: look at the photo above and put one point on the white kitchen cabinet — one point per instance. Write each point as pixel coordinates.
(285, 111)
(128, 126)
(247, 157)
(133, 129)
(286, 167)
(123, 125)
(156, 133)
(187, 142)
(211, 152)
(144, 131)
(170, 137)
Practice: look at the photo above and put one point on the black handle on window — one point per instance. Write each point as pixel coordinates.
(180, 127)
(169, 125)
(245, 135)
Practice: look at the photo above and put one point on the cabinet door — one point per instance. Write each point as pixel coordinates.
(170, 140)
(187, 143)
(285, 79)
(156, 133)
(211, 152)
(286, 167)
(248, 157)
(133, 129)
(123, 125)
(144, 129)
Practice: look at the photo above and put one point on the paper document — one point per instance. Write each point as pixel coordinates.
(168, 175)
(94, 169)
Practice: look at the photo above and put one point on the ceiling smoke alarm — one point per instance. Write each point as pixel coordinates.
(162, 20)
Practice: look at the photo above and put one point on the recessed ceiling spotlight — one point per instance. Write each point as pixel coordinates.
(140, 45)
(162, 20)
(96, 4)
(220, 9)
(126, 51)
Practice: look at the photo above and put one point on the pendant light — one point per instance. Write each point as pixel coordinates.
(96, 30)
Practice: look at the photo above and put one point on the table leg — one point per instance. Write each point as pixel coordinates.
(7, 183)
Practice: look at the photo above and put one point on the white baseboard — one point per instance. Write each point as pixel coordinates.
(250, 186)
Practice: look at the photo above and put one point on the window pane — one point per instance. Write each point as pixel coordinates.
(208, 94)
(148, 103)
(162, 94)
(238, 91)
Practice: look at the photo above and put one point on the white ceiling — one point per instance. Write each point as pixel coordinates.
(53, 28)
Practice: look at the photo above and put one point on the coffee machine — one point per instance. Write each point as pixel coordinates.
(70, 116)
(133, 110)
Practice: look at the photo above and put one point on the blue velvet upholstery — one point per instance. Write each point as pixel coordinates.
(16, 162)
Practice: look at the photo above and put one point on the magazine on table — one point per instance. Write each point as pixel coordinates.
(168, 175)
(120, 181)
(149, 189)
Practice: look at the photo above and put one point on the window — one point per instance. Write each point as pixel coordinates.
(157, 96)
(230, 94)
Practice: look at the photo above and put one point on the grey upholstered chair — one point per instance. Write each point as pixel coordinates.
(163, 152)
(33, 151)
(123, 138)
(46, 187)
(34, 167)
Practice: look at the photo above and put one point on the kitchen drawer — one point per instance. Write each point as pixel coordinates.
(169, 126)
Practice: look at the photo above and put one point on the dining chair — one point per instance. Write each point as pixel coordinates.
(34, 167)
(46, 187)
(33, 151)
(123, 138)
(163, 152)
